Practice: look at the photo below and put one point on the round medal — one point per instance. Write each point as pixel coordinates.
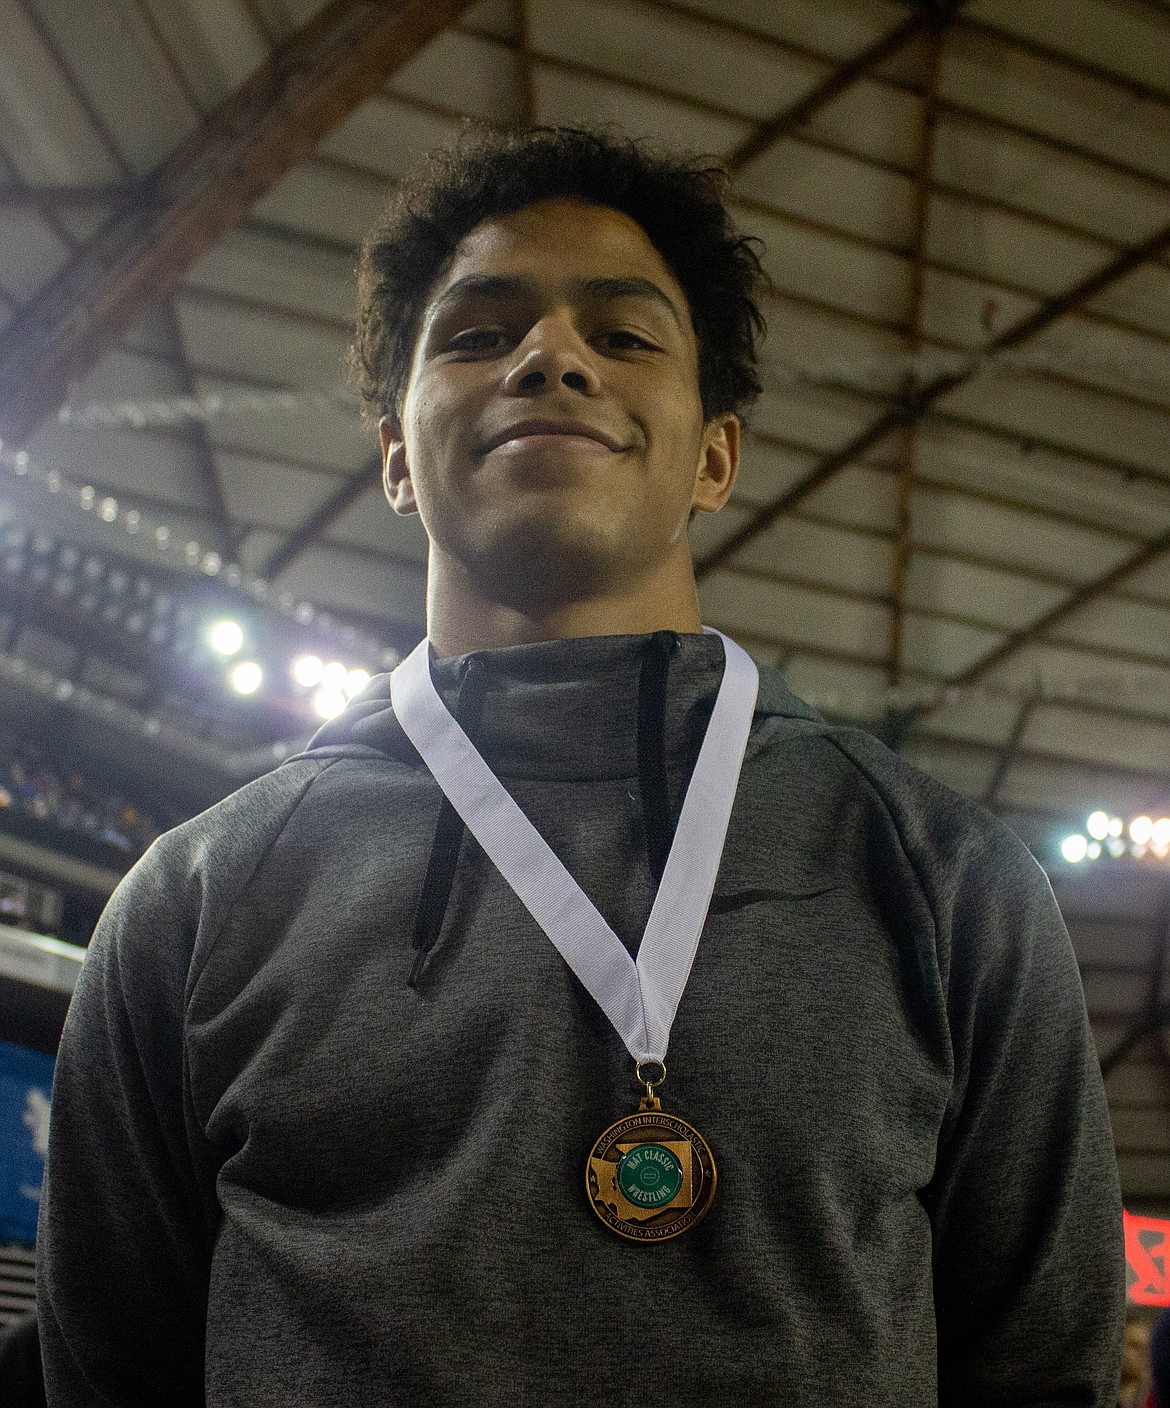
(650, 1176)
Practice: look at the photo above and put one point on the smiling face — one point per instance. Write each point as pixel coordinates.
(552, 436)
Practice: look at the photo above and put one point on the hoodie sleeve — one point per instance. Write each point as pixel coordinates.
(1029, 1263)
(129, 1213)
(123, 1246)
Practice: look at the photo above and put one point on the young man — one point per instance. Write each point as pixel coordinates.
(332, 1121)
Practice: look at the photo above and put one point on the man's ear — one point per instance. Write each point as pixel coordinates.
(718, 463)
(396, 481)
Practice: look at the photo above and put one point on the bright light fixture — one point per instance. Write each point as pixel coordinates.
(1161, 831)
(246, 677)
(356, 681)
(334, 675)
(1116, 826)
(1141, 829)
(1098, 826)
(307, 670)
(1073, 848)
(328, 703)
(1094, 850)
(225, 638)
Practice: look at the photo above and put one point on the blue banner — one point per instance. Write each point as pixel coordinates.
(26, 1083)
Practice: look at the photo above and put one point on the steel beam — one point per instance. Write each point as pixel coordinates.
(908, 438)
(1089, 591)
(912, 410)
(202, 448)
(319, 523)
(312, 81)
(921, 22)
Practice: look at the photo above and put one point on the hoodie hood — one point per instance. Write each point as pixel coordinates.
(564, 708)
(591, 707)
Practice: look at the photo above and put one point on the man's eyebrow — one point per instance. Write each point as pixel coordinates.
(600, 289)
(630, 286)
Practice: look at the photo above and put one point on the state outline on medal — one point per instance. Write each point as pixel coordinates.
(657, 1219)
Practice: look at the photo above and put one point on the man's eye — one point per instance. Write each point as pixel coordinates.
(476, 340)
(620, 339)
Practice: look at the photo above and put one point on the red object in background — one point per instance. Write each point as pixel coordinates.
(1147, 1243)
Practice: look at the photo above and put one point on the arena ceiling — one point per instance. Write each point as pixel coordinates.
(952, 523)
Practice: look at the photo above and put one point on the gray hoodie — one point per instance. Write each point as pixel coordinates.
(326, 1092)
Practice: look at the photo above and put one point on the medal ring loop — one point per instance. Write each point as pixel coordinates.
(651, 1082)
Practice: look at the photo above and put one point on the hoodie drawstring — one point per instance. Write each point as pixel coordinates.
(656, 811)
(444, 857)
(652, 749)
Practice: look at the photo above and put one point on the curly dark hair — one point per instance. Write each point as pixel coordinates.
(677, 200)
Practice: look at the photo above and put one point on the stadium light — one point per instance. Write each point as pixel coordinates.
(225, 638)
(246, 677)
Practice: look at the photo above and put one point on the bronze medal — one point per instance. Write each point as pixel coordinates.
(650, 1176)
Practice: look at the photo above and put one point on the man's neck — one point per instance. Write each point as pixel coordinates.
(460, 618)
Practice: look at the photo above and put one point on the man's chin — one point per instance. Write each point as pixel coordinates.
(531, 565)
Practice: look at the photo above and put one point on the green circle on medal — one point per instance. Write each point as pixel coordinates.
(650, 1176)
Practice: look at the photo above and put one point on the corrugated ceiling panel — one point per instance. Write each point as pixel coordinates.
(991, 465)
(1126, 625)
(272, 496)
(859, 495)
(830, 268)
(1143, 688)
(29, 251)
(1110, 357)
(1136, 42)
(267, 346)
(981, 594)
(1151, 581)
(1080, 734)
(813, 415)
(684, 57)
(497, 17)
(821, 554)
(975, 718)
(962, 311)
(942, 649)
(159, 468)
(479, 77)
(872, 119)
(122, 70)
(332, 437)
(1047, 97)
(1068, 188)
(1030, 541)
(1034, 406)
(331, 576)
(565, 97)
(1071, 788)
(711, 530)
(324, 200)
(1002, 248)
(1142, 298)
(386, 136)
(217, 42)
(793, 614)
(285, 272)
(767, 471)
(42, 124)
(842, 191)
(835, 28)
(372, 524)
(1112, 943)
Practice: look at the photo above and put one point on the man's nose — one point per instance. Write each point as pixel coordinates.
(552, 355)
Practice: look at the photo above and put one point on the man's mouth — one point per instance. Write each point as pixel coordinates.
(563, 436)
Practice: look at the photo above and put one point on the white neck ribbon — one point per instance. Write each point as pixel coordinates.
(640, 998)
